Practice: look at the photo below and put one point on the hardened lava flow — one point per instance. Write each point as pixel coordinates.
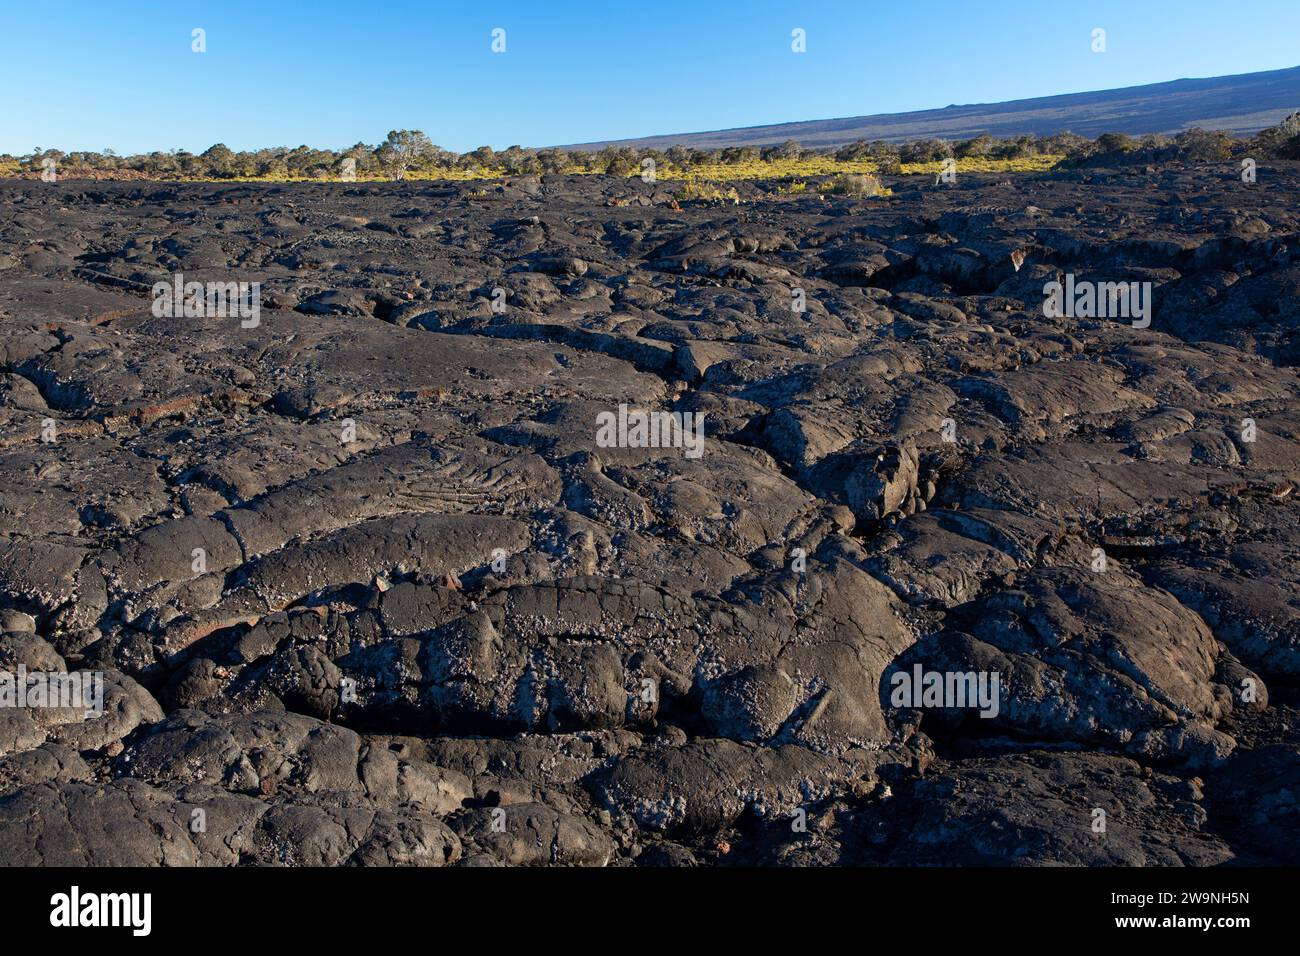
(561, 522)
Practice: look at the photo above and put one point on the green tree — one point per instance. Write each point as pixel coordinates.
(219, 160)
(404, 149)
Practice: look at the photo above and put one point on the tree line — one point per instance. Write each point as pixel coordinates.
(411, 153)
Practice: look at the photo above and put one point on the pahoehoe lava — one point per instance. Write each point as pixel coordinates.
(365, 589)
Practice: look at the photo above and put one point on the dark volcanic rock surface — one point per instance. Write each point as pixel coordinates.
(366, 586)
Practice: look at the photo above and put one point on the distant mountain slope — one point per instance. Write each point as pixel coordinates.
(1239, 104)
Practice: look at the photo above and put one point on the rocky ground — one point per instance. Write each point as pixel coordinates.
(366, 590)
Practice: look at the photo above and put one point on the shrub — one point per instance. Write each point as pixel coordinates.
(735, 155)
(1018, 147)
(1116, 143)
(1281, 141)
(618, 161)
(1070, 145)
(979, 146)
(679, 156)
(855, 185)
(1204, 146)
(706, 192)
(889, 165)
(787, 150)
(856, 150)
(925, 151)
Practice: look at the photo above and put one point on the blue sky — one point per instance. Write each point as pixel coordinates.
(121, 75)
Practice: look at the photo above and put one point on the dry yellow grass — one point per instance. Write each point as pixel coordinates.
(780, 169)
(732, 172)
(774, 169)
(829, 166)
(1025, 164)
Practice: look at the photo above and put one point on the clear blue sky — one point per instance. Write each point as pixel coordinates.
(120, 74)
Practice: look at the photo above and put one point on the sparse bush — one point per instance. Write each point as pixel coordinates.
(854, 185)
(787, 150)
(1190, 146)
(889, 165)
(1281, 141)
(367, 163)
(857, 150)
(679, 156)
(979, 146)
(1070, 145)
(273, 169)
(220, 160)
(1018, 147)
(482, 158)
(619, 161)
(1109, 149)
(1204, 146)
(1116, 143)
(735, 155)
(553, 161)
(693, 191)
(925, 151)
(516, 161)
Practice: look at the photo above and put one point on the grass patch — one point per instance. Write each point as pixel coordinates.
(830, 166)
(981, 164)
(796, 171)
(771, 169)
(856, 185)
(697, 190)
